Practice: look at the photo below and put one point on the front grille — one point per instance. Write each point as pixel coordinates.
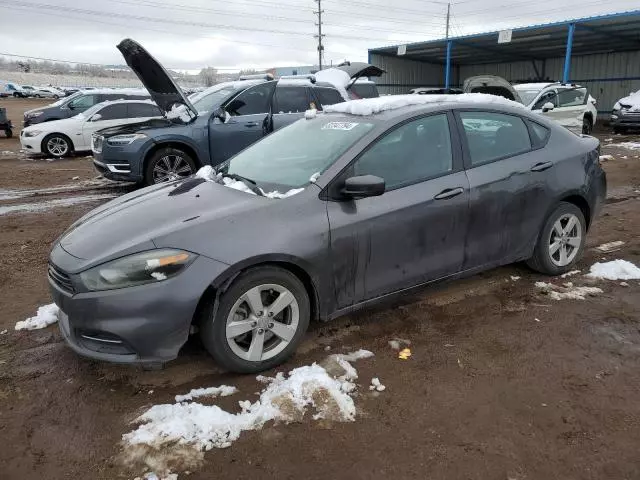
(60, 278)
(96, 143)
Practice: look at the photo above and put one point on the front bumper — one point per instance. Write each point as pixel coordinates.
(32, 145)
(631, 120)
(121, 163)
(144, 324)
(120, 171)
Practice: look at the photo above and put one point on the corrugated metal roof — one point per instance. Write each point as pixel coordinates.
(615, 32)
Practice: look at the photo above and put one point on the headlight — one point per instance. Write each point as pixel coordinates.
(34, 114)
(139, 269)
(616, 106)
(125, 139)
(32, 133)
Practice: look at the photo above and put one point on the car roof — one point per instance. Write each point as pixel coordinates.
(117, 91)
(118, 102)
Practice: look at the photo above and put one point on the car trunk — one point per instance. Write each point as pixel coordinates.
(492, 85)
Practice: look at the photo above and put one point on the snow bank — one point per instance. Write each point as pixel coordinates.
(46, 315)
(369, 106)
(615, 270)
(190, 428)
(567, 292)
(221, 391)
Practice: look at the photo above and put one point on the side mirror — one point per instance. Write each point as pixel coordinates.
(222, 115)
(363, 186)
(547, 107)
(96, 117)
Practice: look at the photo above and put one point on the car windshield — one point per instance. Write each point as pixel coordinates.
(528, 96)
(291, 156)
(65, 100)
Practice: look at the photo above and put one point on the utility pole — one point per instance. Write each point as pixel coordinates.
(320, 35)
(448, 18)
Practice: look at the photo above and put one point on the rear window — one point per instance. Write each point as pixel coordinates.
(327, 96)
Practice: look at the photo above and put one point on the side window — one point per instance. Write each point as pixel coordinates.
(539, 134)
(83, 102)
(136, 110)
(415, 151)
(572, 98)
(114, 112)
(546, 97)
(291, 99)
(327, 96)
(250, 102)
(491, 136)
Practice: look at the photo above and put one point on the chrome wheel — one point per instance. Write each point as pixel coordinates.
(262, 322)
(565, 240)
(57, 146)
(171, 167)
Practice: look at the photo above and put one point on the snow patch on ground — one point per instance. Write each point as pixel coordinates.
(604, 158)
(376, 385)
(221, 391)
(615, 270)
(611, 246)
(570, 274)
(567, 292)
(627, 145)
(179, 433)
(369, 106)
(46, 315)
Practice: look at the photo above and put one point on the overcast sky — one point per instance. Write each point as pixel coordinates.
(192, 34)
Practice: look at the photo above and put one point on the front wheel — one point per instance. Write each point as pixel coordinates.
(561, 241)
(587, 126)
(8, 132)
(168, 164)
(56, 145)
(260, 321)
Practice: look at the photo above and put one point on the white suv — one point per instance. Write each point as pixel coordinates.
(568, 104)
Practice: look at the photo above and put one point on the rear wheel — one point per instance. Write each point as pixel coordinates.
(587, 126)
(561, 241)
(8, 132)
(260, 320)
(16, 95)
(168, 164)
(56, 145)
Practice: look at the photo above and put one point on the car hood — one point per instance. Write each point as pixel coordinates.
(39, 109)
(492, 85)
(632, 100)
(129, 223)
(163, 90)
(136, 127)
(57, 125)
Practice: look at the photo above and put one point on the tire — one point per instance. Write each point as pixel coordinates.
(171, 160)
(234, 353)
(8, 132)
(57, 145)
(543, 260)
(16, 95)
(587, 126)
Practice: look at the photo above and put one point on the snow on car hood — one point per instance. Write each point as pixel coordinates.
(370, 106)
(208, 173)
(632, 100)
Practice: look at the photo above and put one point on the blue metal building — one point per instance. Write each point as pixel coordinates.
(600, 52)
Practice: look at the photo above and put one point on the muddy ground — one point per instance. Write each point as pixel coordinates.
(504, 383)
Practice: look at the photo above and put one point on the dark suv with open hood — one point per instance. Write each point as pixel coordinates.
(206, 128)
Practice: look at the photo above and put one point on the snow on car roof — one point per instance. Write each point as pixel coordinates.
(121, 91)
(532, 86)
(370, 106)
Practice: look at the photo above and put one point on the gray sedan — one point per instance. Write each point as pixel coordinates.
(328, 215)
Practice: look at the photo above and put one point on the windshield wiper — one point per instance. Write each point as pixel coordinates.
(253, 186)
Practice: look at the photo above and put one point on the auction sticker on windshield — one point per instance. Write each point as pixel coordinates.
(339, 126)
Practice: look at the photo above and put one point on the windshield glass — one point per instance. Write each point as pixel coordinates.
(211, 98)
(527, 96)
(65, 100)
(289, 157)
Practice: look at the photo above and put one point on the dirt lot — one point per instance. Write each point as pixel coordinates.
(504, 383)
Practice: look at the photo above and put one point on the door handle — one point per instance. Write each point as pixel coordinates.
(449, 193)
(541, 167)
(251, 124)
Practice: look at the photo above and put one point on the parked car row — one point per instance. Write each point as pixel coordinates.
(25, 91)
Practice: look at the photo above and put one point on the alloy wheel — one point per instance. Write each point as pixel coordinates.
(171, 167)
(565, 240)
(57, 146)
(262, 322)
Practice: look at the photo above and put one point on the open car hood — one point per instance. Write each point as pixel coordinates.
(360, 69)
(163, 90)
(491, 84)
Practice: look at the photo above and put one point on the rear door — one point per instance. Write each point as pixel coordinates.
(250, 113)
(289, 104)
(508, 170)
(415, 231)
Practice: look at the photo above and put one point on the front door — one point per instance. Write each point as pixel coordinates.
(415, 231)
(571, 105)
(250, 113)
(508, 174)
